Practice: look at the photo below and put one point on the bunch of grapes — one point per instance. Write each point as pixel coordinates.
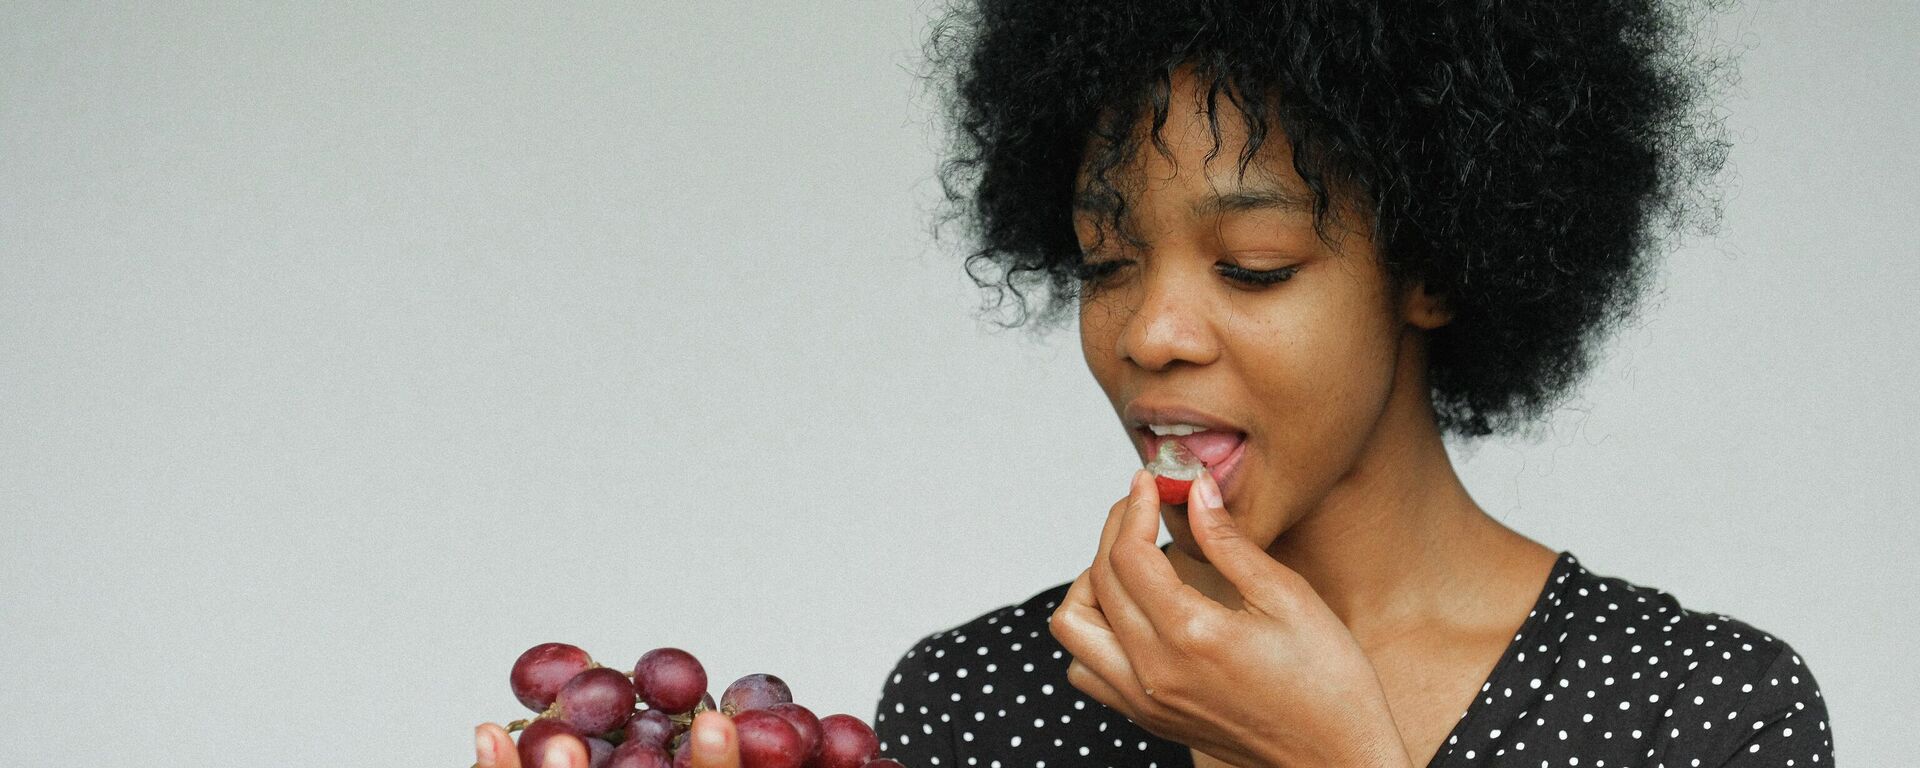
(641, 719)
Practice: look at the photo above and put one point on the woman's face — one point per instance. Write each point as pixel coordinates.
(1301, 371)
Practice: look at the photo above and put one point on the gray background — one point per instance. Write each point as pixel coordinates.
(346, 351)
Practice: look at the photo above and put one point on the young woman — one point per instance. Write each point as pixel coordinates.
(1306, 240)
(1324, 234)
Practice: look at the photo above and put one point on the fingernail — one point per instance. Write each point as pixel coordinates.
(557, 754)
(483, 746)
(712, 741)
(1209, 493)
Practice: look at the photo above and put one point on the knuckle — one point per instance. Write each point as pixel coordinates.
(1131, 550)
(1153, 679)
(1077, 674)
(1191, 633)
(1061, 627)
(1223, 530)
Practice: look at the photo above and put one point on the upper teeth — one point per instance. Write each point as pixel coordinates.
(1175, 429)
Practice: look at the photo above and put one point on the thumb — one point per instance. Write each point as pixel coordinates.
(1262, 581)
(715, 742)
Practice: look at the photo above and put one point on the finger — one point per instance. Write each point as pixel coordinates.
(715, 742)
(1077, 612)
(1108, 530)
(565, 752)
(1265, 584)
(1111, 528)
(1083, 677)
(1143, 572)
(1083, 631)
(493, 748)
(1130, 624)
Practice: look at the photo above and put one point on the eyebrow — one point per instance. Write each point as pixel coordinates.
(1250, 198)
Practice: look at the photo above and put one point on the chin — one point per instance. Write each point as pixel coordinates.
(1180, 530)
(1183, 538)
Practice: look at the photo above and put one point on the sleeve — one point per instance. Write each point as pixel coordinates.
(912, 720)
(1786, 719)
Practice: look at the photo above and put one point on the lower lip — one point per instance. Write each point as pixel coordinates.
(1223, 472)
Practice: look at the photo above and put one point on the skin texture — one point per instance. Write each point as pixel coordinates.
(1387, 594)
(493, 748)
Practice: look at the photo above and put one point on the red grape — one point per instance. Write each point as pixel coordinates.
(803, 721)
(539, 673)
(683, 755)
(1174, 470)
(651, 727)
(755, 691)
(670, 680)
(767, 740)
(845, 742)
(597, 700)
(596, 707)
(533, 740)
(599, 752)
(634, 754)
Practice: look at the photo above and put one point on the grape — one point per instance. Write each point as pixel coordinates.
(683, 756)
(533, 740)
(845, 742)
(599, 751)
(651, 727)
(756, 691)
(804, 722)
(670, 680)
(596, 707)
(597, 700)
(539, 673)
(634, 754)
(767, 740)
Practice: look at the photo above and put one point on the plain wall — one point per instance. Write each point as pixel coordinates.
(347, 350)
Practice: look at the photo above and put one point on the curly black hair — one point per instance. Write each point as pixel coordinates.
(1522, 158)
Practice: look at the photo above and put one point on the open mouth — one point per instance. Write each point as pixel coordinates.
(1219, 451)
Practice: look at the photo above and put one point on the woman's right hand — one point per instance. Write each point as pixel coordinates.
(714, 741)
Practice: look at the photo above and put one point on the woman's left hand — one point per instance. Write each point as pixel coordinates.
(715, 744)
(1279, 681)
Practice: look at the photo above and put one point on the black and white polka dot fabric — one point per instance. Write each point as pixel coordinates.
(1602, 673)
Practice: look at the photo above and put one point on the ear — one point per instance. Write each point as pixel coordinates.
(1424, 310)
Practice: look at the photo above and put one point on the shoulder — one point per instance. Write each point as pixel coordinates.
(997, 654)
(1016, 630)
(1625, 622)
(1712, 681)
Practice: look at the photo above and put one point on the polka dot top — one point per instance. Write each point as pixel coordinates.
(1601, 673)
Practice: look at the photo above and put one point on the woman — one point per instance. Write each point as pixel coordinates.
(1327, 233)
(1307, 240)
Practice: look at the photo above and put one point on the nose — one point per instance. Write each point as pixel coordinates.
(1170, 325)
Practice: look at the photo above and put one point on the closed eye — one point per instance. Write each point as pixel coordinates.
(1258, 277)
(1095, 271)
(1092, 273)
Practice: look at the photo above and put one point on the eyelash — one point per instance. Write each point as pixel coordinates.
(1096, 272)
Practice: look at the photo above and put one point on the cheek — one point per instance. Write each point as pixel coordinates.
(1324, 374)
(1101, 323)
